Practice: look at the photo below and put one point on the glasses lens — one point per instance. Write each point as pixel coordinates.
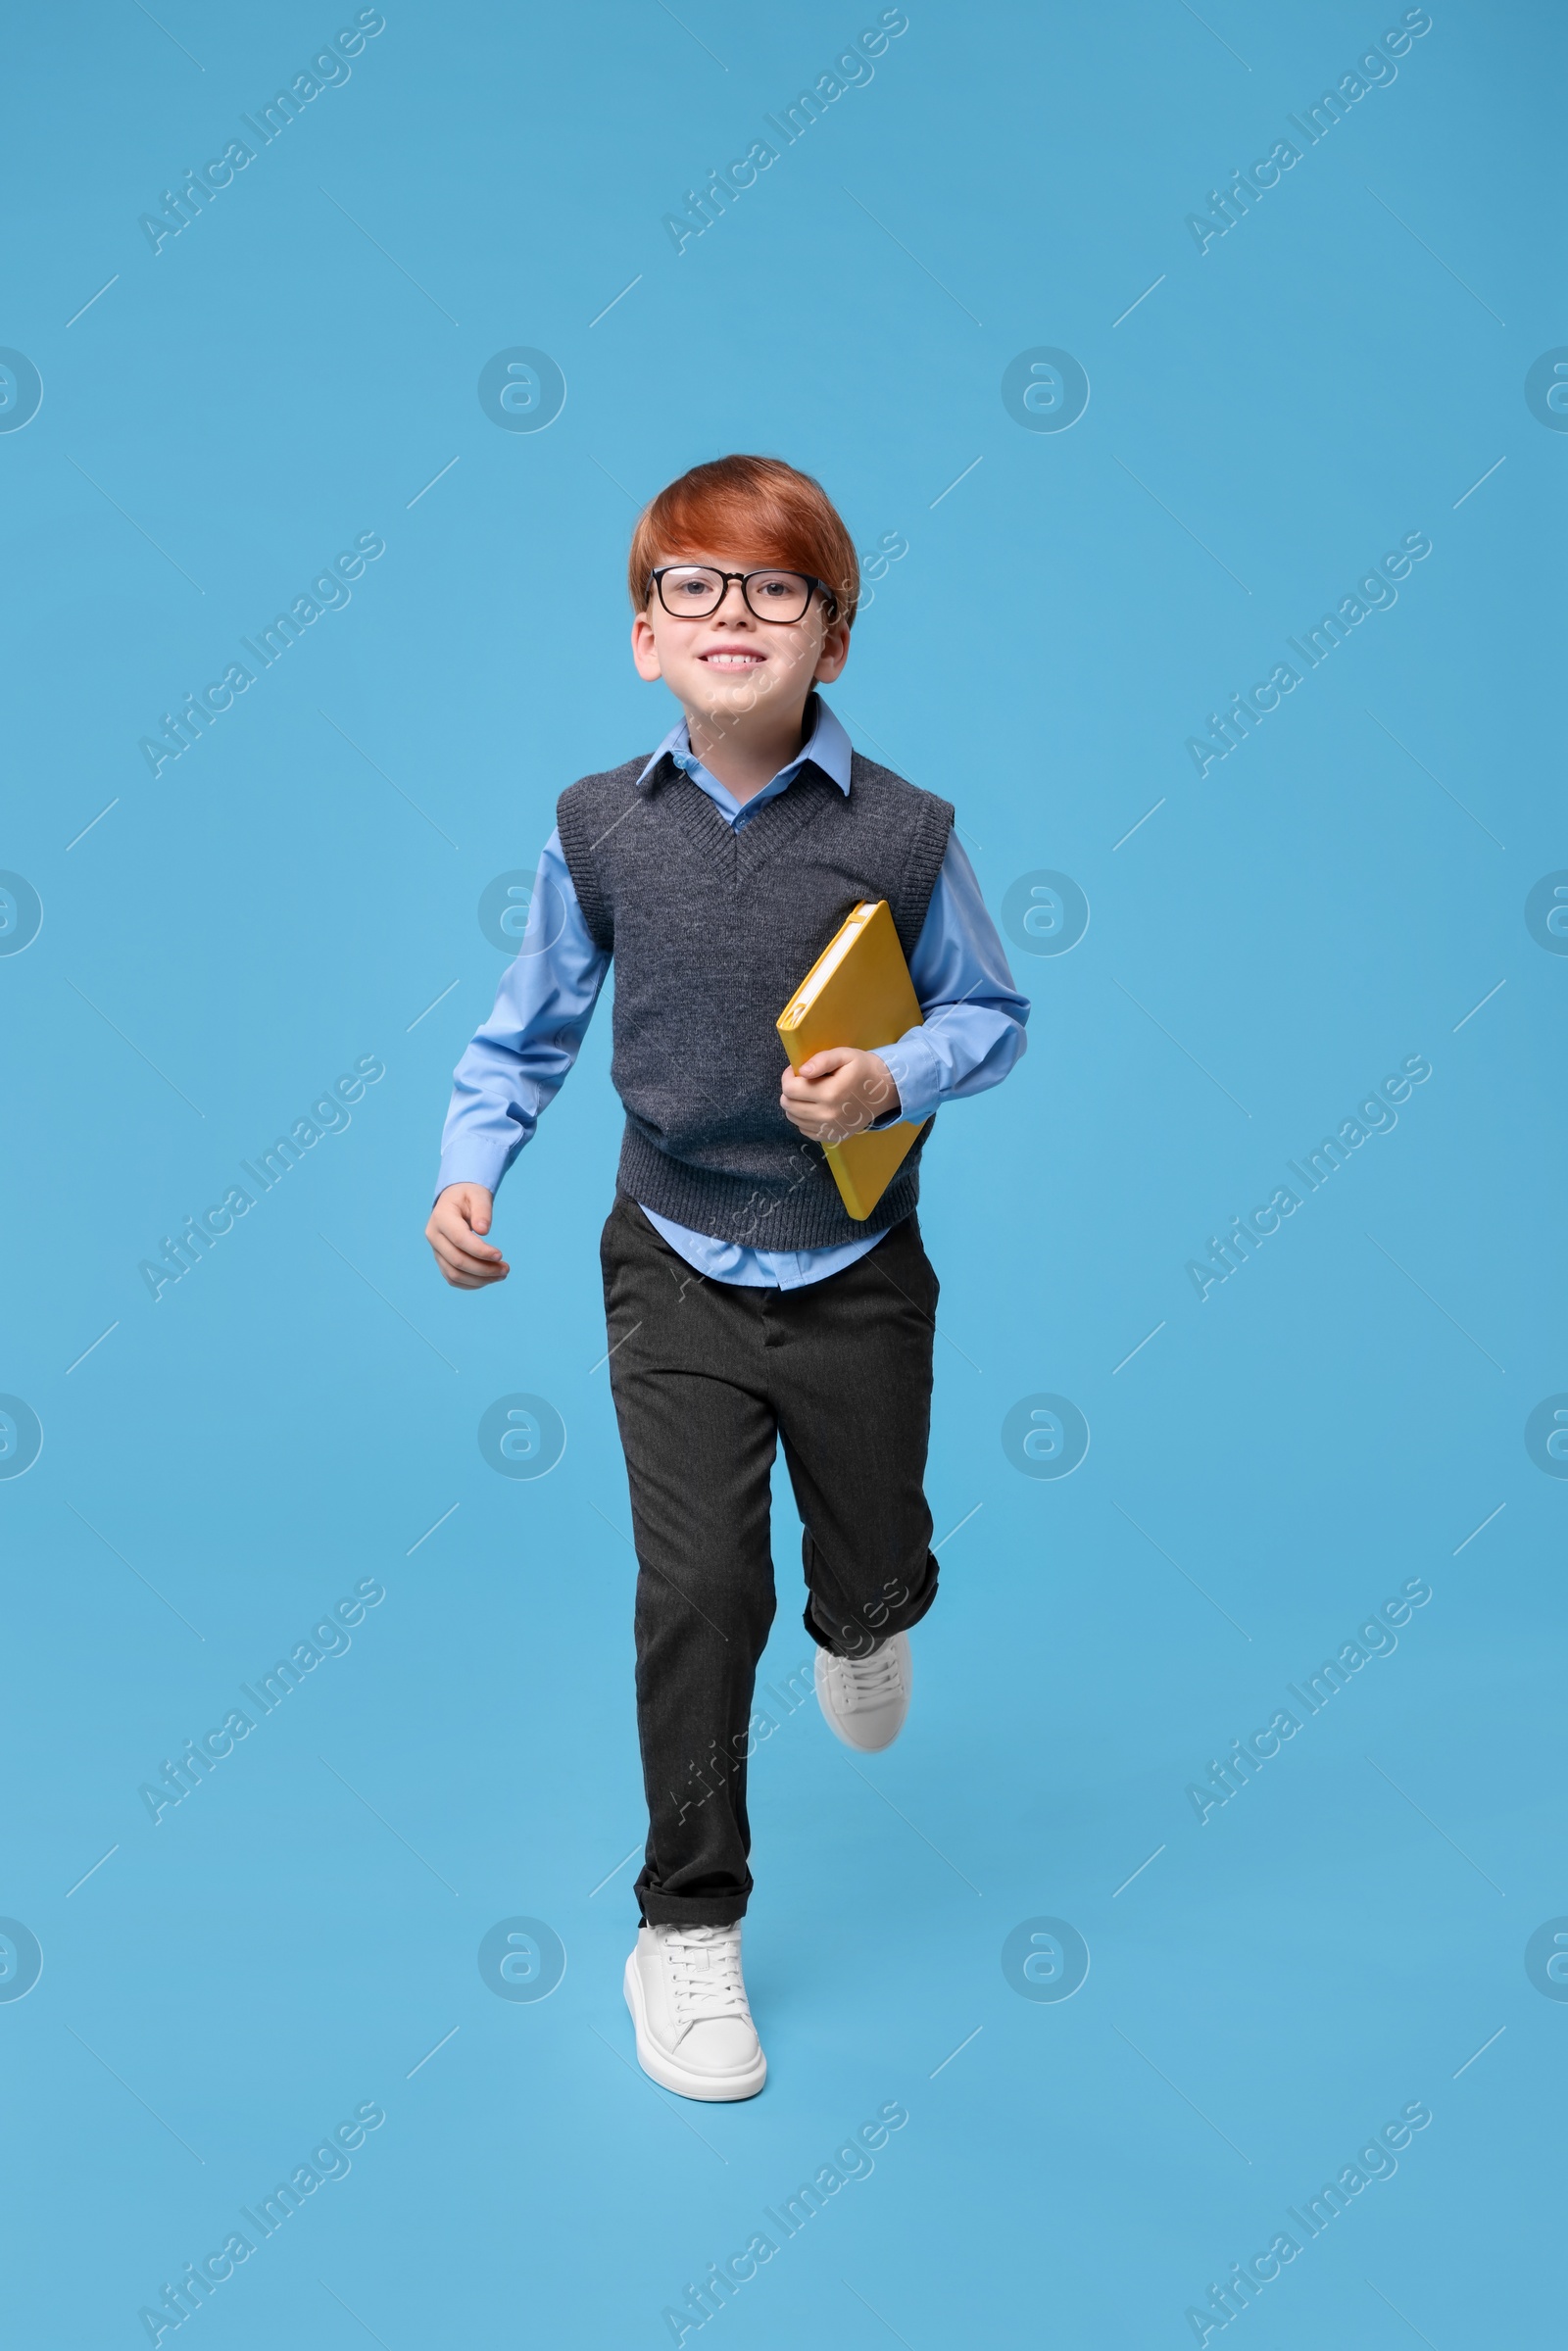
(691, 590)
(778, 595)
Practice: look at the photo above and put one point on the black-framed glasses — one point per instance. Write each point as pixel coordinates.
(692, 591)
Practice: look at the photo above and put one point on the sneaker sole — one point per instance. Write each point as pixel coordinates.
(860, 1747)
(713, 2090)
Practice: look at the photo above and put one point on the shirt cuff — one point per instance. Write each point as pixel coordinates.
(914, 1070)
(477, 1162)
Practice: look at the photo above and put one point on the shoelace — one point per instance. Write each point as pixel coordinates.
(705, 1968)
(867, 1681)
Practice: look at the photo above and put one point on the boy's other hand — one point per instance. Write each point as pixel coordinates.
(458, 1224)
(838, 1091)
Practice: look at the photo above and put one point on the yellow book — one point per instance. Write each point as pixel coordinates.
(856, 993)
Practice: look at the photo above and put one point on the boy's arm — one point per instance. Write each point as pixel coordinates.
(973, 1028)
(515, 1066)
(974, 1016)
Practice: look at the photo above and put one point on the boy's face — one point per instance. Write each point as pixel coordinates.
(730, 664)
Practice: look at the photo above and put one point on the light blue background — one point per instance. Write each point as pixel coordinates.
(302, 1408)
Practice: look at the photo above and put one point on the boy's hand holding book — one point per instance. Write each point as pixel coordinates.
(838, 1091)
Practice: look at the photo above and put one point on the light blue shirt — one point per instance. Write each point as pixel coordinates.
(973, 1017)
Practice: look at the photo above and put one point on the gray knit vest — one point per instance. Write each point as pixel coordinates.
(712, 932)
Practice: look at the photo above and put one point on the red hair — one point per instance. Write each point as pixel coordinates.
(755, 503)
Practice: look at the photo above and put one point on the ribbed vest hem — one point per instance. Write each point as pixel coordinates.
(803, 1212)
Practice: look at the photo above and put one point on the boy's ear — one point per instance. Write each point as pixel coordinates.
(645, 649)
(834, 653)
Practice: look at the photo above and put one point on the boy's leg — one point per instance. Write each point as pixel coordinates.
(686, 1366)
(851, 1379)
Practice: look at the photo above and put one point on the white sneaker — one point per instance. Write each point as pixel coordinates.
(687, 1999)
(866, 1698)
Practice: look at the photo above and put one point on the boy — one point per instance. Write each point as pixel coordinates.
(743, 1304)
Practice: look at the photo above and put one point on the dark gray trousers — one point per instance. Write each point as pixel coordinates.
(707, 1376)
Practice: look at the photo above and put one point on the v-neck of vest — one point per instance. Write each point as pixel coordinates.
(765, 835)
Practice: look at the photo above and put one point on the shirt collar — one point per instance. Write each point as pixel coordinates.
(826, 745)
